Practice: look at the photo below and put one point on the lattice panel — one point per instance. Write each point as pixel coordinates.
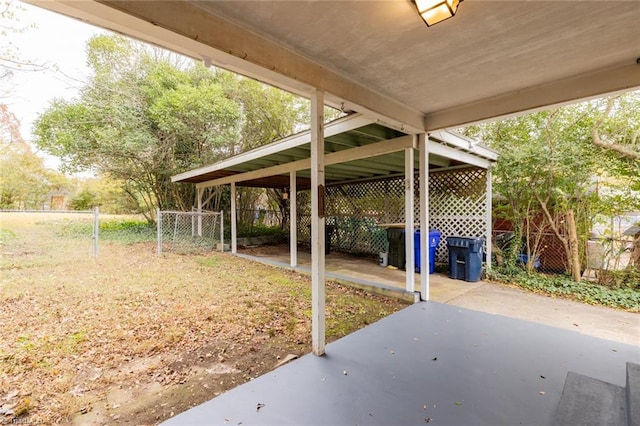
(457, 205)
(354, 212)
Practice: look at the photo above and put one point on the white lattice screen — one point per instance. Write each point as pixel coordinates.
(457, 205)
(354, 210)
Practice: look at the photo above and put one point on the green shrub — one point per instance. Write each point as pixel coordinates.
(253, 231)
(128, 231)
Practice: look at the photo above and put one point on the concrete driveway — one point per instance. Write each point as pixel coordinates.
(483, 296)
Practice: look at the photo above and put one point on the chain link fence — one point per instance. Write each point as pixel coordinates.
(189, 232)
(77, 224)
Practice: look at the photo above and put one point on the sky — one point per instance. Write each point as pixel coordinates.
(55, 40)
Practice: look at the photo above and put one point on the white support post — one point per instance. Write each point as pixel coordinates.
(317, 224)
(409, 220)
(293, 219)
(489, 220)
(423, 144)
(234, 220)
(199, 193)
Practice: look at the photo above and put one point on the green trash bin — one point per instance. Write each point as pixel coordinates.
(397, 253)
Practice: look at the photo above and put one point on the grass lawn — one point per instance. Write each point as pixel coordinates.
(135, 337)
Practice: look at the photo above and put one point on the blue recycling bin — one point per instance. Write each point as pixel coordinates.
(465, 258)
(434, 240)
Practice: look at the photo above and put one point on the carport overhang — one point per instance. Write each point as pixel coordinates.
(493, 59)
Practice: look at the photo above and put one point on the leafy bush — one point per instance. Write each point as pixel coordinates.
(253, 231)
(628, 277)
(85, 200)
(128, 231)
(622, 298)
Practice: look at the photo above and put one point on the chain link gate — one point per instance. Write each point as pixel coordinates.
(189, 232)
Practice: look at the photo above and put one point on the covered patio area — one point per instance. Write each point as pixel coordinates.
(429, 363)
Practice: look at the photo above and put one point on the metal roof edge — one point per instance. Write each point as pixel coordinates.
(352, 121)
(466, 144)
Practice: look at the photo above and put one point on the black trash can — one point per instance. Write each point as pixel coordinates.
(465, 258)
(328, 232)
(397, 252)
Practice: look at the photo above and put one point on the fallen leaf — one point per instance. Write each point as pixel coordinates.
(11, 394)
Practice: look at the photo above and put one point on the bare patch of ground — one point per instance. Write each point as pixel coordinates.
(134, 337)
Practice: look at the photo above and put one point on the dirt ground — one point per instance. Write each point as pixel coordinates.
(134, 337)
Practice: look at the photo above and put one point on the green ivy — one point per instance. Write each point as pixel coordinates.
(627, 298)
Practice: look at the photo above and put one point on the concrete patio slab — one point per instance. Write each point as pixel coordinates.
(430, 362)
(362, 270)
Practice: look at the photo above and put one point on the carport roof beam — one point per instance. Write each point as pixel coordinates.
(358, 153)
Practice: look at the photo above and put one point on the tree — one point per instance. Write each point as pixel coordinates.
(550, 160)
(10, 59)
(147, 115)
(141, 120)
(103, 192)
(25, 182)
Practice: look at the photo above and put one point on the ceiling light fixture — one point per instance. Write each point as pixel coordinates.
(434, 11)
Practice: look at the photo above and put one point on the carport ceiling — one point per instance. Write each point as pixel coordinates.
(494, 58)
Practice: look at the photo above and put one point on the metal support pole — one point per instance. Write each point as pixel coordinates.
(409, 219)
(193, 222)
(293, 219)
(199, 193)
(234, 220)
(222, 231)
(423, 144)
(317, 224)
(159, 229)
(96, 230)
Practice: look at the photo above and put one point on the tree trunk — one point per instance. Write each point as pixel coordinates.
(568, 247)
(574, 261)
(635, 255)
